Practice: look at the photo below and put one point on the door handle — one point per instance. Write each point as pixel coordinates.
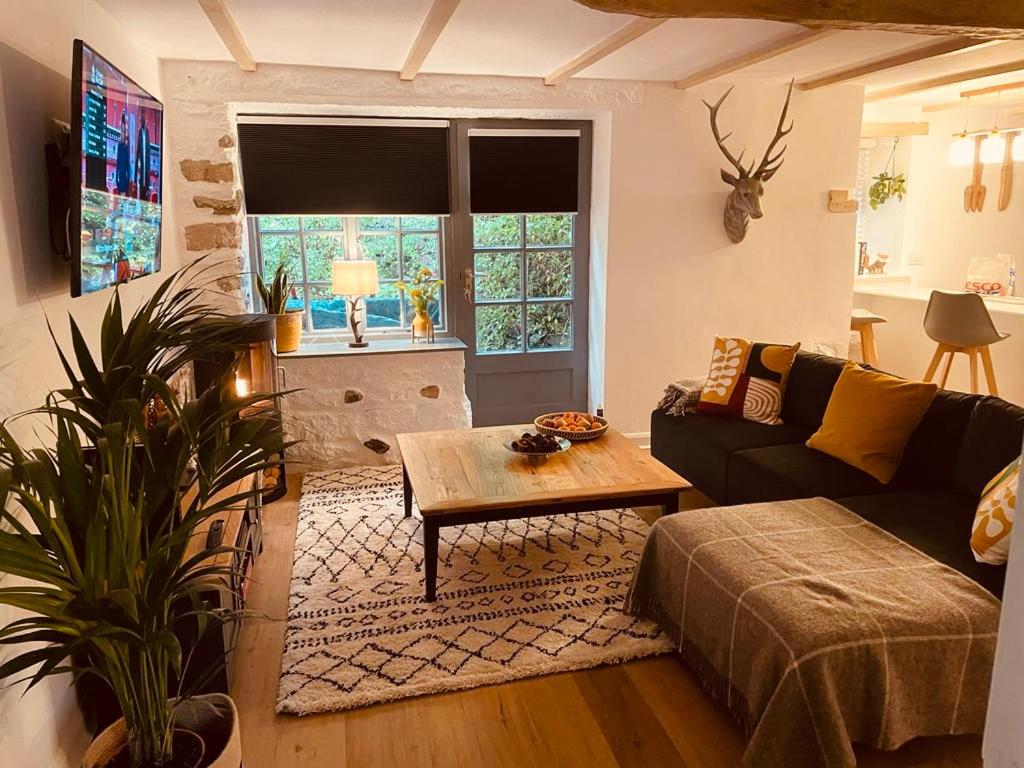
(467, 283)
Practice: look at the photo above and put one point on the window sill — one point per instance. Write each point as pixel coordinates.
(376, 347)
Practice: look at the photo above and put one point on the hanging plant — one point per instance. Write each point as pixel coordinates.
(888, 183)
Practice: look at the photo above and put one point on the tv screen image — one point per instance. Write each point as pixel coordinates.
(117, 132)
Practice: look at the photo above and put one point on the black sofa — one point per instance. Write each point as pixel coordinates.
(961, 443)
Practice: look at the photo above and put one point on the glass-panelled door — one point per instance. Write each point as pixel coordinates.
(521, 297)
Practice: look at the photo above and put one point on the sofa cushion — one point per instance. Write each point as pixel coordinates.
(809, 388)
(793, 472)
(698, 447)
(932, 450)
(992, 440)
(938, 524)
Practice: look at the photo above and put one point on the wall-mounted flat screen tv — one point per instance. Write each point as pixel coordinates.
(116, 195)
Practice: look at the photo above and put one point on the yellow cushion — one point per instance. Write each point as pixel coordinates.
(993, 522)
(869, 419)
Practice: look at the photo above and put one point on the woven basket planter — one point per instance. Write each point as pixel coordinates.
(212, 717)
(289, 331)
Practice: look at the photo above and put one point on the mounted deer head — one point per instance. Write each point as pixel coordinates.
(744, 202)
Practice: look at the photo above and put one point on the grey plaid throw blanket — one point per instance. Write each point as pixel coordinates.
(681, 396)
(818, 629)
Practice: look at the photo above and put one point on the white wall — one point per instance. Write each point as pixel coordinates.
(674, 279)
(671, 278)
(44, 728)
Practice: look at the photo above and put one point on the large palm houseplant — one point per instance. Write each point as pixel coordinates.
(95, 526)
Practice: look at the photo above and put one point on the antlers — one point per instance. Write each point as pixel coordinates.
(770, 163)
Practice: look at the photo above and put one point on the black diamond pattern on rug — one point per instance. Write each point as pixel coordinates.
(515, 598)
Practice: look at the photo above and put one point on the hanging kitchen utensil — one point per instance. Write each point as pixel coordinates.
(974, 193)
(1006, 176)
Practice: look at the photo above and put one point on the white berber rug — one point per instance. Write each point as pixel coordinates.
(514, 599)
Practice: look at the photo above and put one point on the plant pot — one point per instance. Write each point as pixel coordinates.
(289, 331)
(212, 718)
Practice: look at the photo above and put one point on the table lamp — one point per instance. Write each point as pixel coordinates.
(354, 278)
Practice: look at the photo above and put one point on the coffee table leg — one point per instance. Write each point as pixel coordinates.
(406, 492)
(430, 537)
(670, 504)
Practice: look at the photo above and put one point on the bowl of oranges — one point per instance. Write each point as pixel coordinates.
(571, 425)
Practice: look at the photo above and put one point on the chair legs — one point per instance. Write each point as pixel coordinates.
(869, 352)
(973, 353)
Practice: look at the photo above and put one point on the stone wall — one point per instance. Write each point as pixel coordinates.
(352, 406)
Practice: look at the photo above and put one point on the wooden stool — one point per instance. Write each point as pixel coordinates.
(863, 321)
(960, 322)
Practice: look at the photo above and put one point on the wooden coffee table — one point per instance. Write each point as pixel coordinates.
(467, 476)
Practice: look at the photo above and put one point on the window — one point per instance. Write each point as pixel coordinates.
(307, 245)
(523, 281)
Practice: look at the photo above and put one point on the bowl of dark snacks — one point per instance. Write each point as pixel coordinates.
(537, 448)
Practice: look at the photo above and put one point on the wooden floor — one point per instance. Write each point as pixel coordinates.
(649, 713)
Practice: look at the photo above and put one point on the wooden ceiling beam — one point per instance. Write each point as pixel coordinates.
(943, 80)
(616, 40)
(754, 56)
(993, 89)
(889, 130)
(989, 20)
(224, 24)
(433, 25)
(902, 58)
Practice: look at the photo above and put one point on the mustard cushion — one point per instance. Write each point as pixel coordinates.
(869, 419)
(747, 379)
(993, 522)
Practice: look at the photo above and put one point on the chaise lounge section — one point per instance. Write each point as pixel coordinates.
(961, 443)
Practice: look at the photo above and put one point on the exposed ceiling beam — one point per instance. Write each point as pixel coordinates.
(433, 25)
(888, 130)
(617, 39)
(224, 23)
(1004, 19)
(918, 53)
(767, 51)
(1016, 85)
(943, 80)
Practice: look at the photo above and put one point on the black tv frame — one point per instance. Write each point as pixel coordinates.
(75, 157)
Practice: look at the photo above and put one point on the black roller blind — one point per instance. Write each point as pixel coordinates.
(332, 168)
(524, 174)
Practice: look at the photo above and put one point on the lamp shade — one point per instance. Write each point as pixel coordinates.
(961, 151)
(993, 148)
(354, 277)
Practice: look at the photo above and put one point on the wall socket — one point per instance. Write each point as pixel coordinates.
(915, 259)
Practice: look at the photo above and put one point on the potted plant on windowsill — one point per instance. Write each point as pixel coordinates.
(275, 300)
(97, 525)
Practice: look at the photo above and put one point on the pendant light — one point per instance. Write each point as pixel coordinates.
(993, 146)
(961, 151)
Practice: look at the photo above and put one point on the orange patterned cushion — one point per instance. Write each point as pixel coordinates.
(747, 380)
(993, 522)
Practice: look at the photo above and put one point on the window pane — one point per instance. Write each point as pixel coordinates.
(383, 309)
(282, 249)
(270, 223)
(499, 328)
(420, 251)
(549, 326)
(321, 222)
(328, 311)
(496, 230)
(379, 223)
(546, 229)
(321, 250)
(548, 274)
(420, 222)
(496, 275)
(384, 250)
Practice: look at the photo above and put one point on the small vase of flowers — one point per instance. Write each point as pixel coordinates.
(422, 290)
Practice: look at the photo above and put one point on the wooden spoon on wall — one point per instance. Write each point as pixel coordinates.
(1006, 176)
(974, 193)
